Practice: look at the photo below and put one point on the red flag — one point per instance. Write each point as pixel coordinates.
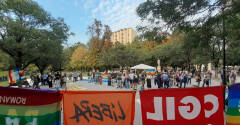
(191, 106)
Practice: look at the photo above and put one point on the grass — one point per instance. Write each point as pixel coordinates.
(4, 83)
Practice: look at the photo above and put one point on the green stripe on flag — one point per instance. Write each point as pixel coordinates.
(13, 110)
(48, 119)
(233, 111)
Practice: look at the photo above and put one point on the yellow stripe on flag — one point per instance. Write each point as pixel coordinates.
(233, 119)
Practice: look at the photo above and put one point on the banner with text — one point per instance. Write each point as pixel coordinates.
(98, 107)
(233, 111)
(29, 107)
(200, 106)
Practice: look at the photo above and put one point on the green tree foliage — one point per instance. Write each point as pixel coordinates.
(79, 58)
(4, 61)
(122, 56)
(68, 52)
(201, 22)
(177, 13)
(28, 34)
(154, 34)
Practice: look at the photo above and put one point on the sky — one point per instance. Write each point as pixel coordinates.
(79, 14)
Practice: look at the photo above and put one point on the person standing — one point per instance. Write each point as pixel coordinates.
(181, 79)
(63, 81)
(189, 79)
(143, 76)
(100, 79)
(81, 76)
(233, 77)
(98, 75)
(155, 79)
(135, 82)
(159, 80)
(112, 78)
(165, 79)
(149, 78)
(45, 79)
(127, 78)
(75, 75)
(206, 79)
(93, 77)
(228, 78)
(198, 79)
(109, 79)
(123, 80)
(57, 80)
(119, 80)
(36, 80)
(89, 77)
(49, 81)
(131, 75)
(185, 78)
(210, 77)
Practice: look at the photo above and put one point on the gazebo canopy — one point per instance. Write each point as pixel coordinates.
(143, 66)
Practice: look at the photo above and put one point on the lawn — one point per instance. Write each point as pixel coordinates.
(5, 83)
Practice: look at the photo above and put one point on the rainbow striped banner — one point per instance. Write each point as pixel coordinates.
(29, 107)
(233, 113)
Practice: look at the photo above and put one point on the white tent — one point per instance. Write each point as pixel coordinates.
(143, 66)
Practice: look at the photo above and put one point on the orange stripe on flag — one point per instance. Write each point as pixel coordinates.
(233, 119)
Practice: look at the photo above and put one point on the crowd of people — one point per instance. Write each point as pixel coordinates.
(53, 80)
(165, 79)
(126, 79)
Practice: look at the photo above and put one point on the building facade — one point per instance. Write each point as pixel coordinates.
(123, 36)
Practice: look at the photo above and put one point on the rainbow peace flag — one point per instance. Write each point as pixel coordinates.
(16, 75)
(150, 71)
(233, 113)
(29, 107)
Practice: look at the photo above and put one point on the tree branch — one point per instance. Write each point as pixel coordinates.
(30, 62)
(6, 51)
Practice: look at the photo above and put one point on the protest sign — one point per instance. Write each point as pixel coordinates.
(98, 107)
(29, 107)
(199, 106)
(233, 112)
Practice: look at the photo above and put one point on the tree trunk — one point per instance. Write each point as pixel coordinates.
(18, 60)
(41, 71)
(216, 72)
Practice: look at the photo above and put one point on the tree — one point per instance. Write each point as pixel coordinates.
(233, 27)
(154, 34)
(201, 19)
(4, 61)
(24, 28)
(122, 56)
(179, 13)
(80, 58)
(99, 42)
(100, 36)
(68, 52)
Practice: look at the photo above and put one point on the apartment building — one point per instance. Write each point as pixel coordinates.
(123, 36)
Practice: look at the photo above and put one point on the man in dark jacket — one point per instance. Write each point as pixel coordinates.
(159, 82)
